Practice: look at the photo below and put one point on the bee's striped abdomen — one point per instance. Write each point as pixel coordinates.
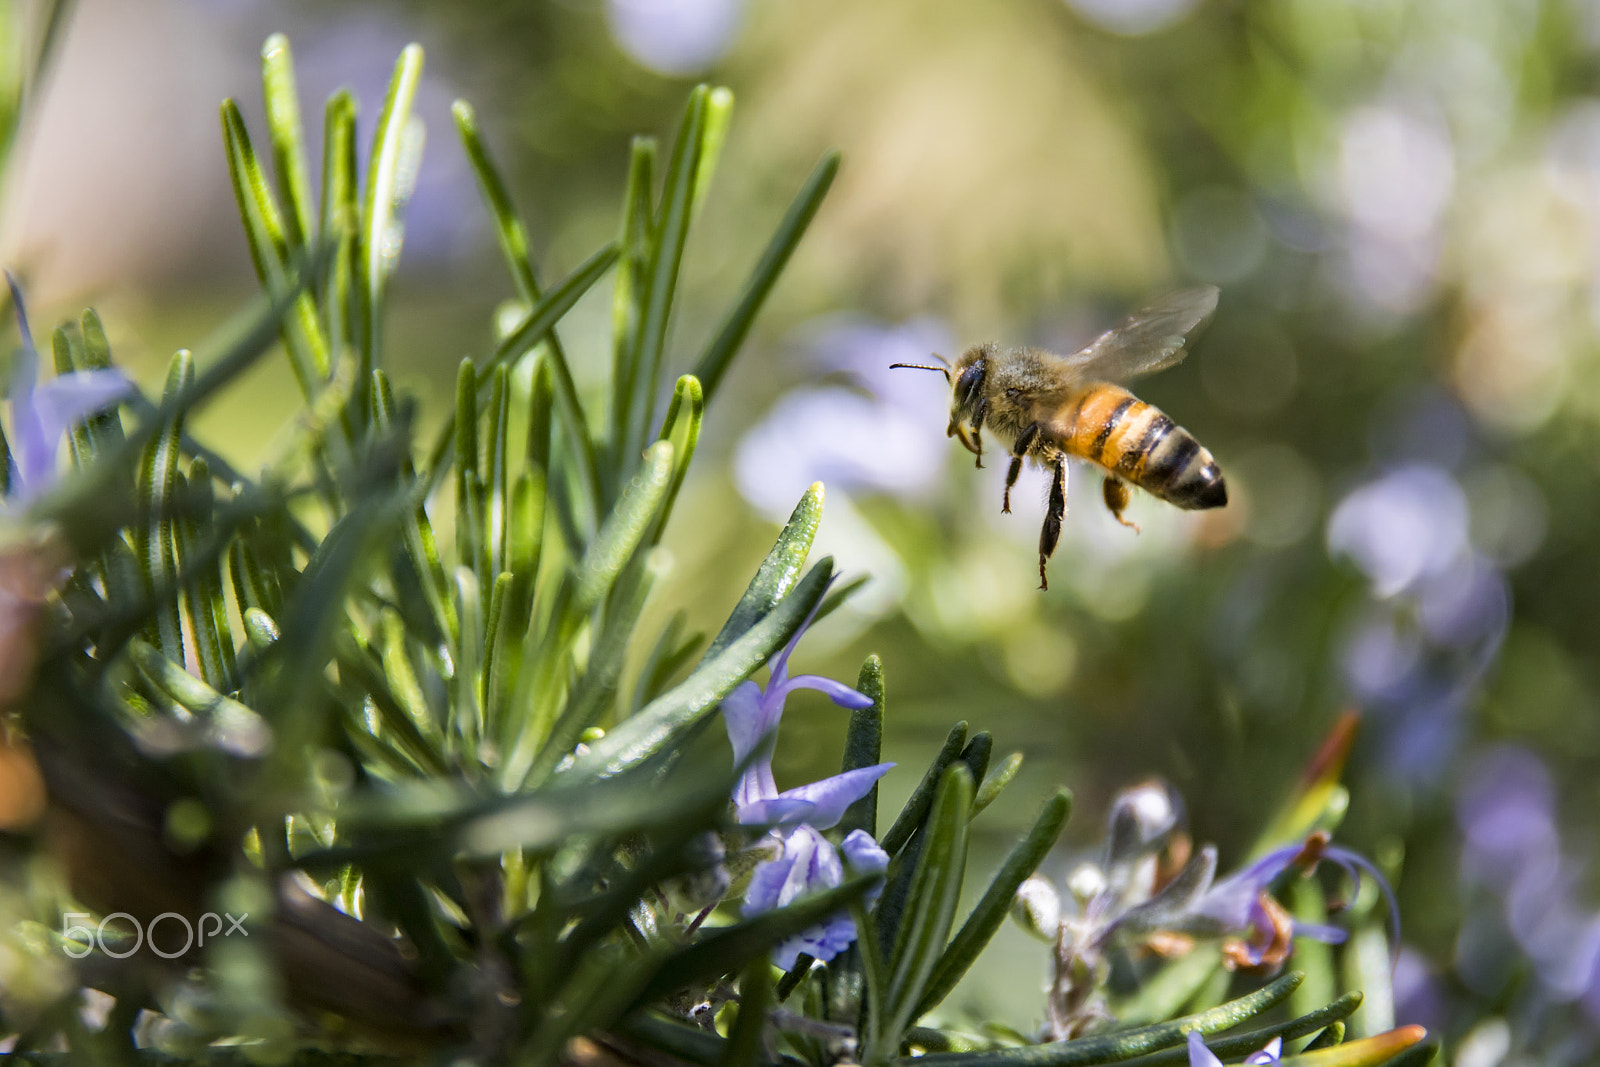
(1109, 426)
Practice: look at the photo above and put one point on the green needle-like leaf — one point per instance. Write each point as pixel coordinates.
(157, 540)
(513, 239)
(466, 710)
(1124, 1044)
(270, 250)
(921, 799)
(747, 1038)
(676, 1039)
(494, 685)
(697, 696)
(735, 327)
(261, 629)
(596, 691)
(930, 910)
(627, 297)
(397, 669)
(1330, 1037)
(386, 181)
(625, 528)
(1248, 1041)
(471, 550)
(863, 747)
(670, 234)
(288, 139)
(184, 689)
(669, 653)
(519, 342)
(995, 904)
(402, 712)
(508, 227)
(202, 595)
(497, 472)
(67, 349)
(1312, 957)
(777, 573)
(104, 429)
(1368, 960)
(995, 782)
(719, 113)
(339, 224)
(976, 755)
(686, 408)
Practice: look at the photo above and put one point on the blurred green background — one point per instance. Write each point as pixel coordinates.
(1400, 201)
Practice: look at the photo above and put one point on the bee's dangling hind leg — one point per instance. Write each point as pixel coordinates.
(1019, 451)
(1054, 513)
(1117, 497)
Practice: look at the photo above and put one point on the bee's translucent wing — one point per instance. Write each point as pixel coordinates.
(1149, 340)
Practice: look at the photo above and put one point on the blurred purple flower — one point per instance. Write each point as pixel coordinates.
(1200, 1056)
(880, 440)
(1127, 899)
(1511, 848)
(40, 414)
(1242, 902)
(1417, 658)
(806, 861)
(1506, 811)
(1242, 906)
(1405, 526)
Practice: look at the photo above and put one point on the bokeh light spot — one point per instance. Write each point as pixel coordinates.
(1508, 513)
(1041, 660)
(1282, 494)
(1218, 235)
(674, 36)
(1132, 18)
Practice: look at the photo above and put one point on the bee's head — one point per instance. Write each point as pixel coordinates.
(966, 387)
(966, 390)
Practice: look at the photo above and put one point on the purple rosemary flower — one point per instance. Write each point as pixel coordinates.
(40, 414)
(805, 861)
(1242, 906)
(1200, 1056)
(1149, 892)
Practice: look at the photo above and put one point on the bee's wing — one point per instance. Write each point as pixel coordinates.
(1149, 340)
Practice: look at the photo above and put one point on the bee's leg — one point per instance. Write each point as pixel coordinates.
(1019, 452)
(1117, 497)
(977, 431)
(1054, 513)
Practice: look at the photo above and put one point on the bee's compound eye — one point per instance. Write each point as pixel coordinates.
(970, 384)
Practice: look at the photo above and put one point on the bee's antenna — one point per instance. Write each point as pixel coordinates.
(923, 366)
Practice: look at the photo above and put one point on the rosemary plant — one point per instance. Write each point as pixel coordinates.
(403, 769)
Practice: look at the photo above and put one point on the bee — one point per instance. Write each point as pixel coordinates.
(1046, 407)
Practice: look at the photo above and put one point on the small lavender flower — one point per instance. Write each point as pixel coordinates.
(1242, 905)
(40, 414)
(805, 861)
(1129, 898)
(1200, 1056)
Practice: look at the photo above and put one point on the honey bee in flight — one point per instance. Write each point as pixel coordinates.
(1046, 407)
